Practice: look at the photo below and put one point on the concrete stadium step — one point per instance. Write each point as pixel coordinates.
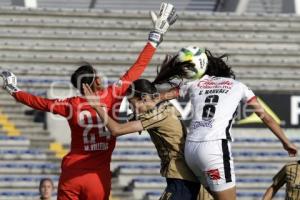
(37, 167)
(125, 35)
(28, 155)
(19, 190)
(134, 48)
(128, 60)
(20, 124)
(37, 138)
(12, 110)
(132, 14)
(141, 23)
(15, 143)
(24, 181)
(40, 142)
(11, 102)
(19, 117)
(27, 131)
(120, 191)
(81, 51)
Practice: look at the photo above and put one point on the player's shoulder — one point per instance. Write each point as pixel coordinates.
(227, 79)
(192, 82)
(165, 106)
(292, 164)
(216, 79)
(237, 83)
(161, 109)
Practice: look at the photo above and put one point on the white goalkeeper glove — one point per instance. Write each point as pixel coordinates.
(9, 82)
(166, 17)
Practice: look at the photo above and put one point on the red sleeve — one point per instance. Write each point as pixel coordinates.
(135, 70)
(56, 106)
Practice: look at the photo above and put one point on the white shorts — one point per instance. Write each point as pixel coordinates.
(212, 163)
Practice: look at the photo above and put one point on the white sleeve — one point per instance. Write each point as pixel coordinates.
(184, 88)
(247, 93)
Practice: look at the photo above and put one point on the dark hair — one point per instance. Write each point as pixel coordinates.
(140, 88)
(217, 66)
(44, 180)
(84, 74)
(171, 68)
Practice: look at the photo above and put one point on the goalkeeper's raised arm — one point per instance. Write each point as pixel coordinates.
(161, 22)
(56, 106)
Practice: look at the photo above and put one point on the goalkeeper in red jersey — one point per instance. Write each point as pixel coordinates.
(86, 168)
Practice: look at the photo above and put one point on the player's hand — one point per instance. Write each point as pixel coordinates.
(9, 82)
(291, 149)
(166, 17)
(91, 97)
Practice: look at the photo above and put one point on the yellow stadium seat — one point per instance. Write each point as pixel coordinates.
(58, 149)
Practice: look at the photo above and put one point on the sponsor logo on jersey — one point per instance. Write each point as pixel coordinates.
(210, 84)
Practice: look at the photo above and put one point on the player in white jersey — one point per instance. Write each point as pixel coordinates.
(214, 98)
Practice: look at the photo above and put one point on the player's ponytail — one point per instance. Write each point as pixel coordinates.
(171, 68)
(217, 66)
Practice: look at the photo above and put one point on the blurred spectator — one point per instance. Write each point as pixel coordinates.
(289, 175)
(46, 188)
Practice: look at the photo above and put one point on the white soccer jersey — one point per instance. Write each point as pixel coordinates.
(214, 103)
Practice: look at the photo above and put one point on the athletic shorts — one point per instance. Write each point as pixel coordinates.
(178, 189)
(212, 163)
(84, 185)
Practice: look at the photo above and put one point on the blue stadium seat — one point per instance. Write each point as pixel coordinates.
(17, 138)
(261, 154)
(27, 151)
(32, 178)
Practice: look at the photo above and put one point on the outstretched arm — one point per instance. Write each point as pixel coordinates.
(114, 127)
(135, 70)
(273, 126)
(56, 106)
(167, 16)
(118, 129)
(49, 105)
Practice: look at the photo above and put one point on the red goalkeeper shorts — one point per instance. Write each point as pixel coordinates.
(84, 185)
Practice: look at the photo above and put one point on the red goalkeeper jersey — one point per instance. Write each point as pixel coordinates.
(91, 147)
